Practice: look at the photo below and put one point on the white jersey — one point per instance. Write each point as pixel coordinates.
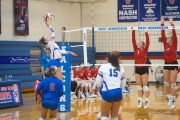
(109, 76)
(56, 53)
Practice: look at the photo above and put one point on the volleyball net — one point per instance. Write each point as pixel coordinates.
(107, 39)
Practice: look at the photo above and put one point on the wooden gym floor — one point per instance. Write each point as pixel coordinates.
(86, 109)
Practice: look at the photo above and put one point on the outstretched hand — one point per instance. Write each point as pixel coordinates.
(73, 54)
(171, 20)
(162, 19)
(46, 21)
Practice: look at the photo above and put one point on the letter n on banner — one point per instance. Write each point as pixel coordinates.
(65, 100)
(21, 17)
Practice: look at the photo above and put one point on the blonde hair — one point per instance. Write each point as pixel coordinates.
(52, 71)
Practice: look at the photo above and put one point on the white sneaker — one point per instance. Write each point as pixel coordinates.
(82, 95)
(130, 90)
(139, 103)
(93, 96)
(98, 94)
(125, 91)
(173, 104)
(75, 97)
(146, 105)
(169, 100)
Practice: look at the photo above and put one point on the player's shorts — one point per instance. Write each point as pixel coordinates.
(171, 67)
(55, 63)
(49, 104)
(141, 71)
(114, 95)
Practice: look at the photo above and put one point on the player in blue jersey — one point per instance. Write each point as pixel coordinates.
(45, 60)
(56, 53)
(109, 76)
(52, 90)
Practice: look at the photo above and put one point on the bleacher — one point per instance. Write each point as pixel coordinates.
(29, 72)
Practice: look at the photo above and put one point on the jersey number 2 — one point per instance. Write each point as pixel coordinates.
(113, 73)
(52, 85)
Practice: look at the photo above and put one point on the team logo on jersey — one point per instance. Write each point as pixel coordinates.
(149, 1)
(127, 2)
(171, 1)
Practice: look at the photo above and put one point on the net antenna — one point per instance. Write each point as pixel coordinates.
(84, 45)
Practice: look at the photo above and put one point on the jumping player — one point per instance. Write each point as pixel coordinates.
(170, 57)
(140, 52)
(109, 76)
(56, 53)
(52, 91)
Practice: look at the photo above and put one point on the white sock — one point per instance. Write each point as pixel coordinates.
(41, 118)
(104, 118)
(146, 99)
(115, 118)
(139, 98)
(168, 95)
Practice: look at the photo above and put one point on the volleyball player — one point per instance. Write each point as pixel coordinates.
(170, 57)
(109, 76)
(56, 53)
(140, 52)
(52, 91)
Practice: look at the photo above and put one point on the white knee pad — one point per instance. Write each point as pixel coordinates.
(173, 85)
(166, 83)
(115, 118)
(104, 118)
(119, 112)
(99, 115)
(86, 84)
(89, 85)
(41, 118)
(139, 87)
(145, 88)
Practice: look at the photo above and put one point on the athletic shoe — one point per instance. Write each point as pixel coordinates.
(82, 95)
(93, 96)
(146, 105)
(173, 104)
(98, 94)
(75, 97)
(125, 91)
(130, 90)
(169, 100)
(139, 103)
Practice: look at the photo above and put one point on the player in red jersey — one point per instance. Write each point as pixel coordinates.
(170, 57)
(140, 52)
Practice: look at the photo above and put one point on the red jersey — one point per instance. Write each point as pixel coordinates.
(94, 72)
(140, 54)
(81, 74)
(87, 74)
(75, 73)
(169, 50)
(178, 69)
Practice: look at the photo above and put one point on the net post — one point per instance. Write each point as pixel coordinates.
(63, 35)
(85, 46)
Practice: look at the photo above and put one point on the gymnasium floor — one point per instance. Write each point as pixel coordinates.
(87, 109)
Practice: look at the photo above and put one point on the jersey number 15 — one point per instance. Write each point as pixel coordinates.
(113, 72)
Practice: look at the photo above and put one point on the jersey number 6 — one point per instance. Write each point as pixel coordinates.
(113, 73)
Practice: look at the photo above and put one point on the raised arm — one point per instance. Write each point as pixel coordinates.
(163, 31)
(51, 29)
(147, 41)
(173, 33)
(134, 40)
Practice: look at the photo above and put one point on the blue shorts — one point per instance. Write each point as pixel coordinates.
(114, 95)
(49, 104)
(55, 63)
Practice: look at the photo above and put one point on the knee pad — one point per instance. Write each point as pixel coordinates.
(114, 118)
(104, 118)
(89, 84)
(166, 83)
(173, 85)
(119, 112)
(139, 87)
(41, 118)
(99, 115)
(86, 85)
(145, 88)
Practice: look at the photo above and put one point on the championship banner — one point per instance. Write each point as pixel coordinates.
(10, 94)
(171, 8)
(149, 10)
(127, 10)
(65, 100)
(21, 21)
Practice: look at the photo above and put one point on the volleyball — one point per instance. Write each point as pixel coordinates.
(49, 17)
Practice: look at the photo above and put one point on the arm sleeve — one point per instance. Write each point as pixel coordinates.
(134, 40)
(147, 41)
(52, 33)
(98, 80)
(174, 37)
(63, 51)
(163, 35)
(39, 88)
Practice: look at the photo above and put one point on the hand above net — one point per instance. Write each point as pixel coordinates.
(171, 20)
(146, 30)
(162, 19)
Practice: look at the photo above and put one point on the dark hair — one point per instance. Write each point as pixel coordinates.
(113, 58)
(42, 41)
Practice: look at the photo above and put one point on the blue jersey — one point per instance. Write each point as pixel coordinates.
(45, 60)
(52, 88)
